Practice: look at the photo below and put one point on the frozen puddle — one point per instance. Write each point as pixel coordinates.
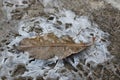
(66, 22)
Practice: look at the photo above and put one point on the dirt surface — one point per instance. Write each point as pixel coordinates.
(105, 15)
(108, 19)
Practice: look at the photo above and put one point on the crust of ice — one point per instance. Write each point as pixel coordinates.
(81, 30)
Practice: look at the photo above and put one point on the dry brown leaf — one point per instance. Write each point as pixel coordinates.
(49, 45)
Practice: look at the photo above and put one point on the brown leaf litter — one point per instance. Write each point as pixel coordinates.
(49, 45)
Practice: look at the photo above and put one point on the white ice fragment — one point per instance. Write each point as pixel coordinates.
(22, 31)
(15, 41)
(64, 78)
(33, 73)
(22, 58)
(52, 74)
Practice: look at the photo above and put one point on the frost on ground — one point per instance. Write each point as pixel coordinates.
(13, 8)
(65, 22)
(80, 29)
(114, 3)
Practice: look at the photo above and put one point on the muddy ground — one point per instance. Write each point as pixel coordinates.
(104, 14)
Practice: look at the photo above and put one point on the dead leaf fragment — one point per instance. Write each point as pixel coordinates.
(49, 45)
